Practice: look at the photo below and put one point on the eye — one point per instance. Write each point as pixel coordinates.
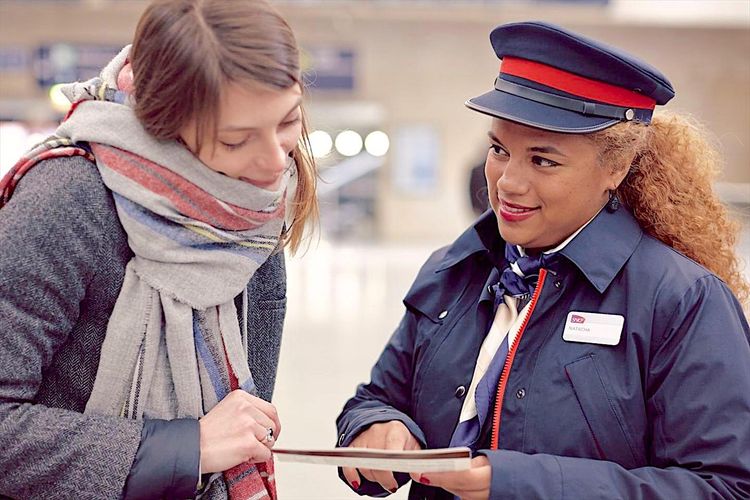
(498, 150)
(292, 122)
(234, 146)
(544, 162)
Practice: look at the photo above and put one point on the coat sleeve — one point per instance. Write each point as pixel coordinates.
(51, 237)
(387, 397)
(698, 401)
(167, 462)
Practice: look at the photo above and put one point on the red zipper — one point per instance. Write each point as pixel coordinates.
(502, 383)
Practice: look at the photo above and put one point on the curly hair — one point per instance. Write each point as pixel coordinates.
(669, 189)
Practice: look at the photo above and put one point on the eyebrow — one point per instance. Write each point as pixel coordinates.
(534, 149)
(236, 128)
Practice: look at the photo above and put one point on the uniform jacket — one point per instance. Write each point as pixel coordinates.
(63, 253)
(665, 413)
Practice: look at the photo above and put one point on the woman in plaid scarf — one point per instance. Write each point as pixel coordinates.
(141, 250)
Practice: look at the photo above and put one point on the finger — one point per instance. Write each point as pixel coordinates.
(472, 495)
(472, 480)
(258, 416)
(367, 474)
(261, 434)
(262, 419)
(259, 453)
(386, 479)
(413, 444)
(268, 409)
(454, 480)
(421, 477)
(264, 406)
(444, 480)
(352, 477)
(480, 470)
(396, 440)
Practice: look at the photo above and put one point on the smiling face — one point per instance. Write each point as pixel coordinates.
(543, 185)
(257, 129)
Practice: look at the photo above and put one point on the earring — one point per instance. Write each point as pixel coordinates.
(614, 202)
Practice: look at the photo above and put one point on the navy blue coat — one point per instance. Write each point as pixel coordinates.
(665, 413)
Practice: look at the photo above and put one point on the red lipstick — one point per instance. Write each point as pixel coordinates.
(512, 212)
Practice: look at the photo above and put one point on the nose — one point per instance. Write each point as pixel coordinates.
(274, 158)
(512, 180)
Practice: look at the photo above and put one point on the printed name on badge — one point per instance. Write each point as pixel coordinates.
(593, 328)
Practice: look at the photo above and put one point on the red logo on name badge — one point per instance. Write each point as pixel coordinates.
(577, 319)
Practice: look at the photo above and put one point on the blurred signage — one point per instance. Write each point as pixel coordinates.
(405, 3)
(14, 59)
(67, 62)
(328, 68)
(416, 156)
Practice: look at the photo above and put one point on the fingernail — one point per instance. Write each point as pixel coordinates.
(393, 490)
(355, 485)
(424, 480)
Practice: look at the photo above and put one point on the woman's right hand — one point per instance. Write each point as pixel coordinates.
(235, 431)
(392, 435)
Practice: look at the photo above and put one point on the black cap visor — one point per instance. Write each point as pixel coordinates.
(535, 114)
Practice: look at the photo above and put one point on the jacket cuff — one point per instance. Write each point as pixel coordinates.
(167, 462)
(366, 417)
(520, 475)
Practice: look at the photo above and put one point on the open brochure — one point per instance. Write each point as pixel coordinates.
(437, 460)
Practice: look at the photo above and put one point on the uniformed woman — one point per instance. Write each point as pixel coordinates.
(585, 338)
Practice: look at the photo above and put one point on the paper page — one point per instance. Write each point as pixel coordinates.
(437, 460)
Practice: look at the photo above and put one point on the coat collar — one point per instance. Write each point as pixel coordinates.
(482, 236)
(599, 251)
(603, 247)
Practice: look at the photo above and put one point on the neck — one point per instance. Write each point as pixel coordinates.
(535, 252)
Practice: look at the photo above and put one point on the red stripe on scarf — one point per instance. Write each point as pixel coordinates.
(189, 199)
(260, 481)
(9, 182)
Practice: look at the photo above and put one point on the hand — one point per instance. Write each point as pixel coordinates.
(471, 484)
(391, 435)
(235, 431)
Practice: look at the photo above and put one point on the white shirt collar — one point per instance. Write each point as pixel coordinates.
(565, 241)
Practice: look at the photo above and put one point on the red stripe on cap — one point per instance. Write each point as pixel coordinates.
(575, 84)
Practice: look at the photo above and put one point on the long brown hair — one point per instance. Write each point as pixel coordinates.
(186, 51)
(669, 188)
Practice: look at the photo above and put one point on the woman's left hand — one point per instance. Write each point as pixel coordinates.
(471, 484)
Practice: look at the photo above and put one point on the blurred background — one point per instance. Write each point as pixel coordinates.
(387, 80)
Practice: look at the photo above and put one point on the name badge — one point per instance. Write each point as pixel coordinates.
(593, 328)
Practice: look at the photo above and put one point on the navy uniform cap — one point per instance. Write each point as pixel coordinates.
(554, 79)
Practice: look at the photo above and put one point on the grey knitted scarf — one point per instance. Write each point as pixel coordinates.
(174, 341)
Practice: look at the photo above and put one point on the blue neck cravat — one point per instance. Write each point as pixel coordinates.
(520, 276)
(518, 279)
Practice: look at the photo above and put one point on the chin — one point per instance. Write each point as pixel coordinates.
(511, 236)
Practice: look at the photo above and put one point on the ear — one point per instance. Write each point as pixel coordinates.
(125, 78)
(616, 178)
(618, 173)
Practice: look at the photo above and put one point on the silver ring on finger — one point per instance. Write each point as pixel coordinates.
(269, 435)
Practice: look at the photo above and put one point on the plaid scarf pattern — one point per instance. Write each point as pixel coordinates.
(174, 346)
(52, 147)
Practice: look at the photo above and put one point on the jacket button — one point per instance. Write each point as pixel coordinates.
(442, 314)
(460, 391)
(521, 393)
(558, 283)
